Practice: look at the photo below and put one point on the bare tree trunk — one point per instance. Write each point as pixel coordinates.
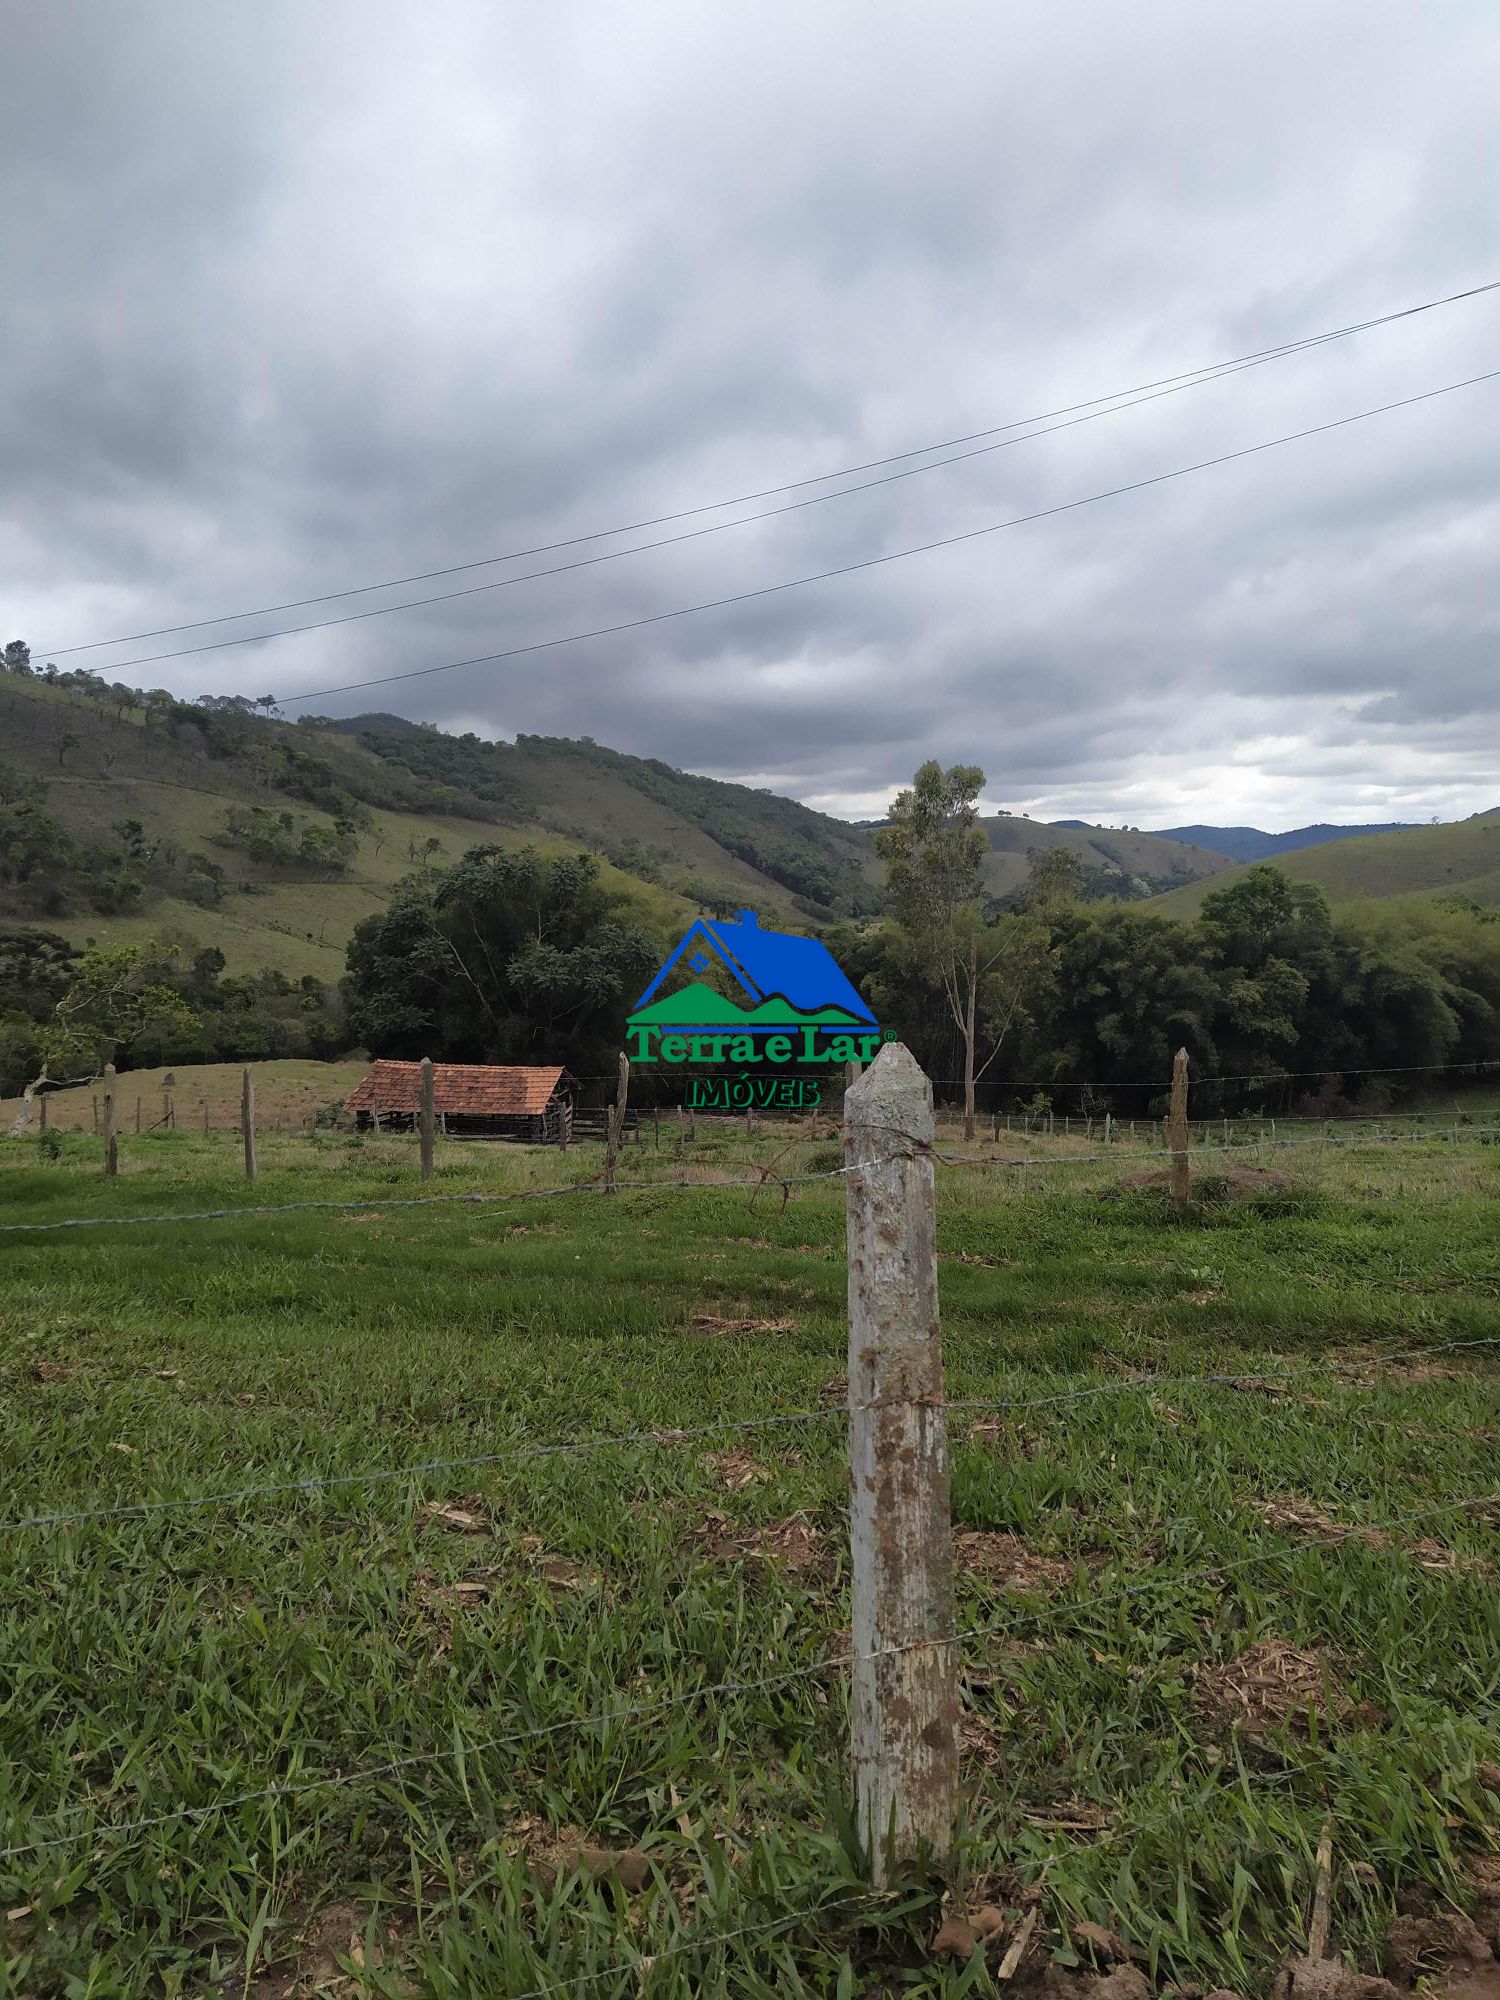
(614, 1124)
(21, 1124)
(971, 1010)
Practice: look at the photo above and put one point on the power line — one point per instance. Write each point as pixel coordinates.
(670, 541)
(895, 555)
(1187, 378)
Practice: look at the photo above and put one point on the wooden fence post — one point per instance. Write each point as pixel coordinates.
(111, 1144)
(1109, 1128)
(205, 1114)
(615, 1124)
(247, 1121)
(42, 1105)
(96, 1114)
(1177, 1134)
(429, 1114)
(138, 1111)
(905, 1707)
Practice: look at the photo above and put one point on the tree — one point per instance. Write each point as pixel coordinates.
(69, 740)
(17, 657)
(1054, 880)
(113, 998)
(509, 957)
(934, 848)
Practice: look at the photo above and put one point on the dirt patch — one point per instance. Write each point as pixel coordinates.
(1229, 1180)
(1366, 1370)
(1431, 1946)
(469, 1515)
(713, 1326)
(1327, 1979)
(1272, 1685)
(549, 1852)
(734, 1468)
(331, 1951)
(1301, 1517)
(793, 1544)
(1009, 1440)
(53, 1371)
(560, 1573)
(1004, 1559)
(981, 1747)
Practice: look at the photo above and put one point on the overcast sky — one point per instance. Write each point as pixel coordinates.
(301, 298)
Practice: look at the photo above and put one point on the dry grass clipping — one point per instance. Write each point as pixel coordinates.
(1271, 1685)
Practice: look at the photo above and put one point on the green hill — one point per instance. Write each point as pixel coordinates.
(134, 815)
(94, 771)
(1461, 859)
(1118, 865)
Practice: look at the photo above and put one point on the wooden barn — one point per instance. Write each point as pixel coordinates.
(472, 1101)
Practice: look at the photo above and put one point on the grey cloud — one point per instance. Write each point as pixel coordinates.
(300, 298)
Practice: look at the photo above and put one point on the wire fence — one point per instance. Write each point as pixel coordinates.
(836, 1663)
(660, 1437)
(81, 1825)
(764, 1178)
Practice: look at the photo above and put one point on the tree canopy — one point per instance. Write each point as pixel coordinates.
(504, 957)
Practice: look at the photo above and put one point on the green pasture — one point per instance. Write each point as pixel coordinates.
(355, 1731)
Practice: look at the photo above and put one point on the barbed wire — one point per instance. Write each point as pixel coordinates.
(474, 1197)
(634, 1712)
(647, 1961)
(663, 1437)
(763, 1178)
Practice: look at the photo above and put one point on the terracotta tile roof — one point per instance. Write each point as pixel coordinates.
(484, 1090)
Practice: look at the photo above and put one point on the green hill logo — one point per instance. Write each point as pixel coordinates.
(798, 1011)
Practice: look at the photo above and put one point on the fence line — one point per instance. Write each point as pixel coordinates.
(765, 1178)
(637, 1711)
(661, 1438)
(889, 1180)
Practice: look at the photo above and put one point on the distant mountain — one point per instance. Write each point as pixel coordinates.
(1461, 859)
(1118, 865)
(1248, 843)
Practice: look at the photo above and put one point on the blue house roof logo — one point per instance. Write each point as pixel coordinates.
(786, 981)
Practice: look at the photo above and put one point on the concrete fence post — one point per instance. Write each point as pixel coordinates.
(111, 1144)
(905, 1706)
(428, 1117)
(247, 1121)
(1177, 1134)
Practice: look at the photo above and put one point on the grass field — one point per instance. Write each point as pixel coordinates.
(1180, 1664)
(1462, 859)
(288, 1092)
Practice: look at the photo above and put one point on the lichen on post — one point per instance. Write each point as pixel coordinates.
(904, 1706)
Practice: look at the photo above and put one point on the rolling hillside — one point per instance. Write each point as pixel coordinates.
(1249, 843)
(146, 786)
(1126, 865)
(1461, 859)
(101, 770)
